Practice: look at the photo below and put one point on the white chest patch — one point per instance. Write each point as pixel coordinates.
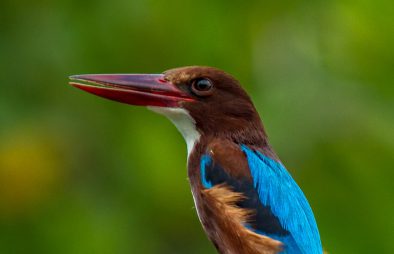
(184, 123)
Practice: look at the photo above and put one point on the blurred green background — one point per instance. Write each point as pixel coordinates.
(79, 174)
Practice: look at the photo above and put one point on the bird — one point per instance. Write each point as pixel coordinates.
(246, 200)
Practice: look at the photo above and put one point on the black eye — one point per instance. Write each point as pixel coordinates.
(202, 84)
(202, 87)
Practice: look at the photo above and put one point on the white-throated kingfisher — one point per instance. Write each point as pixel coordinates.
(245, 198)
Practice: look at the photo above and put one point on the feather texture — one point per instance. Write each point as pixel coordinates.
(275, 205)
(229, 220)
(277, 189)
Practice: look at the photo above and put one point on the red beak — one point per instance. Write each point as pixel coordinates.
(134, 89)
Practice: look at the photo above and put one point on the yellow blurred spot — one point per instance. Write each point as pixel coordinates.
(30, 168)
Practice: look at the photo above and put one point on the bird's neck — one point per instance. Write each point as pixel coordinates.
(248, 132)
(184, 123)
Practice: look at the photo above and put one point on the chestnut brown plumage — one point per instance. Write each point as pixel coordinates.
(245, 199)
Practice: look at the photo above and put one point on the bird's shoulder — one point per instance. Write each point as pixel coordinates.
(231, 200)
(278, 207)
(229, 156)
(226, 164)
(228, 160)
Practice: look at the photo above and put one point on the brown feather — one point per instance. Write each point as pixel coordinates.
(228, 113)
(228, 221)
(225, 119)
(229, 156)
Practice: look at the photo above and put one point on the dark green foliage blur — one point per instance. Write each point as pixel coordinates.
(80, 174)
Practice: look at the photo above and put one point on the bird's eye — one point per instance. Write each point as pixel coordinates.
(202, 87)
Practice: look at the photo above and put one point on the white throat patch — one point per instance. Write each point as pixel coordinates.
(184, 123)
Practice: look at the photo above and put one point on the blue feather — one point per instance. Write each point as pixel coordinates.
(277, 189)
(205, 161)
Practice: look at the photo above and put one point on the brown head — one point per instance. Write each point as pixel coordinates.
(199, 100)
